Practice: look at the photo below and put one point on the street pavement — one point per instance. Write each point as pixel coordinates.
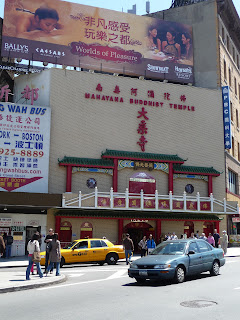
(15, 280)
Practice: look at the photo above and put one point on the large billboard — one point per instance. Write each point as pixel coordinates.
(71, 34)
(24, 149)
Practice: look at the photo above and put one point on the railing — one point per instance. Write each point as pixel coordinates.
(150, 202)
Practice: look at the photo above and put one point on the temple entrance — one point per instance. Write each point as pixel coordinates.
(188, 228)
(142, 181)
(137, 230)
(208, 228)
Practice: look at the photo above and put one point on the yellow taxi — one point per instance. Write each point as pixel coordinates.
(90, 250)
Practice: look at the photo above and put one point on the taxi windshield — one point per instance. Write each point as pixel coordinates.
(69, 246)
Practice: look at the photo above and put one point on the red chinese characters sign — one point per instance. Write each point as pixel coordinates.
(103, 202)
(205, 206)
(149, 203)
(191, 205)
(119, 202)
(134, 203)
(178, 205)
(163, 204)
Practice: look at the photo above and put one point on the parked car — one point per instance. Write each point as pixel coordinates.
(177, 259)
(90, 250)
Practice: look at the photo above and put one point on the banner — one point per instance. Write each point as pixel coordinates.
(227, 118)
(71, 34)
(24, 147)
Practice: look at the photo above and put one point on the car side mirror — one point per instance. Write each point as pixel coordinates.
(191, 252)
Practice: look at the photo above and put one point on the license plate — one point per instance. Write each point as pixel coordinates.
(143, 273)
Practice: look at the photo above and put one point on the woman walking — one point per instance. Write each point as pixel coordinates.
(54, 255)
(33, 245)
(143, 246)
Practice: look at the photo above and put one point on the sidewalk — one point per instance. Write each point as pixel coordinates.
(15, 281)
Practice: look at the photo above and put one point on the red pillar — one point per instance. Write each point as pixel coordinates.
(57, 225)
(120, 230)
(170, 177)
(210, 186)
(69, 179)
(115, 175)
(216, 224)
(158, 230)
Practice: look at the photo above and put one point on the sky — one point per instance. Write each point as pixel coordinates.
(124, 5)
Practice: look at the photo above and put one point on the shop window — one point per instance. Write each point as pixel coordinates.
(232, 181)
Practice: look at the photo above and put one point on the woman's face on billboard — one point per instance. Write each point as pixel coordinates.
(170, 37)
(153, 33)
(48, 24)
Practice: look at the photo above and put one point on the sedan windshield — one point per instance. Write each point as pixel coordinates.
(170, 248)
(69, 246)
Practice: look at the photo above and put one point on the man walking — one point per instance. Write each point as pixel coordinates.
(9, 242)
(151, 245)
(216, 237)
(128, 247)
(48, 240)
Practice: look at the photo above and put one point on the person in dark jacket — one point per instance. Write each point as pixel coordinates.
(2, 246)
(9, 242)
(128, 247)
(48, 240)
(55, 255)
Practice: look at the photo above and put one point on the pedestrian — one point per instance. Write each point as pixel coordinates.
(2, 246)
(192, 236)
(5, 241)
(174, 236)
(143, 246)
(210, 239)
(216, 237)
(40, 242)
(9, 242)
(48, 240)
(151, 245)
(197, 234)
(203, 237)
(33, 245)
(128, 247)
(54, 255)
(224, 241)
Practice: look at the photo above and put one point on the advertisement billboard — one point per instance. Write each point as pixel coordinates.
(24, 150)
(71, 34)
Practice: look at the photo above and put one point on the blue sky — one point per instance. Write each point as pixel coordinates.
(124, 5)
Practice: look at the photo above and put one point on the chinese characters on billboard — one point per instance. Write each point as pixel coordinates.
(24, 150)
(88, 37)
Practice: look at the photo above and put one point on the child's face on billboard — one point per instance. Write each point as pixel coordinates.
(48, 24)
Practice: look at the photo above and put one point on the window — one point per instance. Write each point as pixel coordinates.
(103, 243)
(232, 182)
(238, 151)
(225, 70)
(193, 246)
(229, 77)
(239, 91)
(223, 34)
(231, 110)
(203, 246)
(238, 61)
(228, 47)
(233, 53)
(235, 85)
(237, 121)
(82, 245)
(233, 147)
(96, 244)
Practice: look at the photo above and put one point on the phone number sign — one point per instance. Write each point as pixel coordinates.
(24, 147)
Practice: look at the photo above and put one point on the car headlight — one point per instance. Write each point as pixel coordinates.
(133, 266)
(162, 266)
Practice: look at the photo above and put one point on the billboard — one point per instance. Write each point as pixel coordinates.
(24, 148)
(71, 34)
(226, 118)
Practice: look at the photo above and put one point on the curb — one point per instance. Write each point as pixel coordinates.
(33, 286)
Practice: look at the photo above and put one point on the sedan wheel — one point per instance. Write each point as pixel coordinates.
(179, 275)
(215, 269)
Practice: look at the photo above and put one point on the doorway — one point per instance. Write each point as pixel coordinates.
(29, 233)
(137, 230)
(208, 228)
(188, 228)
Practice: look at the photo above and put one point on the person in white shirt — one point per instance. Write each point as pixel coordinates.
(174, 236)
(33, 245)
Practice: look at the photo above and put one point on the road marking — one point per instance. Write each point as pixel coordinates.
(237, 288)
(76, 275)
(91, 270)
(117, 274)
(75, 284)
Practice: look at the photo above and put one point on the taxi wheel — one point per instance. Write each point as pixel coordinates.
(62, 262)
(112, 258)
